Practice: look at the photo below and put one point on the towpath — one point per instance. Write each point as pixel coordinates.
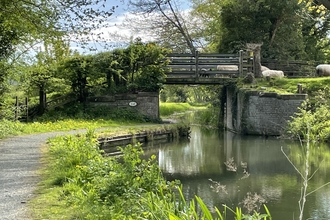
(19, 162)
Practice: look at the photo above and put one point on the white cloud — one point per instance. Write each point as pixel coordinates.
(113, 34)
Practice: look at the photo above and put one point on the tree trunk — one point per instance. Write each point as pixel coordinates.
(42, 100)
(109, 77)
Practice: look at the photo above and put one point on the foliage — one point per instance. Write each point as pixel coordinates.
(103, 187)
(143, 65)
(78, 111)
(313, 121)
(38, 20)
(168, 108)
(311, 126)
(288, 30)
(127, 187)
(8, 128)
(26, 25)
(191, 94)
(78, 69)
(208, 117)
(133, 69)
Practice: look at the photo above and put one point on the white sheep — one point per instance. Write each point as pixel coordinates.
(323, 70)
(273, 73)
(263, 68)
(227, 67)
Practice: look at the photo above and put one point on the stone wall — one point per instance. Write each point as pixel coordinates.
(254, 112)
(146, 103)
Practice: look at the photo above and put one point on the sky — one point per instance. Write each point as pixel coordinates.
(115, 34)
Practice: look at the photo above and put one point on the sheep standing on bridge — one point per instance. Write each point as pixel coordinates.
(323, 70)
(232, 68)
(227, 67)
(203, 73)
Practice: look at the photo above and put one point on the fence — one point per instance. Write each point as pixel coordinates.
(212, 65)
(23, 111)
(293, 68)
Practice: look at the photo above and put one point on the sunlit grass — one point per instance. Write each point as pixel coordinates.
(9, 128)
(289, 85)
(170, 108)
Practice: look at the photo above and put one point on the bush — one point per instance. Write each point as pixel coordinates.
(8, 128)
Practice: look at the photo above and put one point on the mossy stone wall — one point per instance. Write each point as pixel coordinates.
(146, 103)
(259, 113)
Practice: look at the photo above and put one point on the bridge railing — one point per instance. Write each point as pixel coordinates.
(209, 65)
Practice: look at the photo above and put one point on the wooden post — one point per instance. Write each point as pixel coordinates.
(250, 61)
(256, 48)
(27, 108)
(196, 64)
(240, 65)
(299, 88)
(16, 108)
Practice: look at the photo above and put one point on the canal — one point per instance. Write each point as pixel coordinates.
(247, 171)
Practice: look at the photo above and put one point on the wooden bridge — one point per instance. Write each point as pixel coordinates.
(202, 68)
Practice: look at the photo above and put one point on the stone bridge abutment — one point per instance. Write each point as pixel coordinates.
(259, 113)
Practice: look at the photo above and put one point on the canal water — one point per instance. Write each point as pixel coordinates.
(247, 171)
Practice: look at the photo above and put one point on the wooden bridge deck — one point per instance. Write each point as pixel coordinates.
(188, 80)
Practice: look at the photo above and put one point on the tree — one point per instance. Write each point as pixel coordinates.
(37, 20)
(25, 24)
(144, 64)
(315, 29)
(107, 64)
(79, 71)
(272, 23)
(166, 18)
(287, 30)
(42, 72)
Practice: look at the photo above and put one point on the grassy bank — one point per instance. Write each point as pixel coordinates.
(289, 85)
(62, 121)
(79, 183)
(74, 119)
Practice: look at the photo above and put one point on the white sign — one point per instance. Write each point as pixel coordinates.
(132, 104)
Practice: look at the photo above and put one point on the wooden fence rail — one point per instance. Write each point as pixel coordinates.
(210, 65)
(292, 68)
(23, 111)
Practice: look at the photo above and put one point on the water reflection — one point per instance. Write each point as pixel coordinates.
(272, 176)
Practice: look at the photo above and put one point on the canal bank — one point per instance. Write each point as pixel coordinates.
(163, 134)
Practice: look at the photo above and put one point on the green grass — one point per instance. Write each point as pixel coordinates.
(9, 128)
(289, 85)
(170, 108)
(73, 118)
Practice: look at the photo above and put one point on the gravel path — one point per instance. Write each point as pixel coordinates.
(19, 162)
